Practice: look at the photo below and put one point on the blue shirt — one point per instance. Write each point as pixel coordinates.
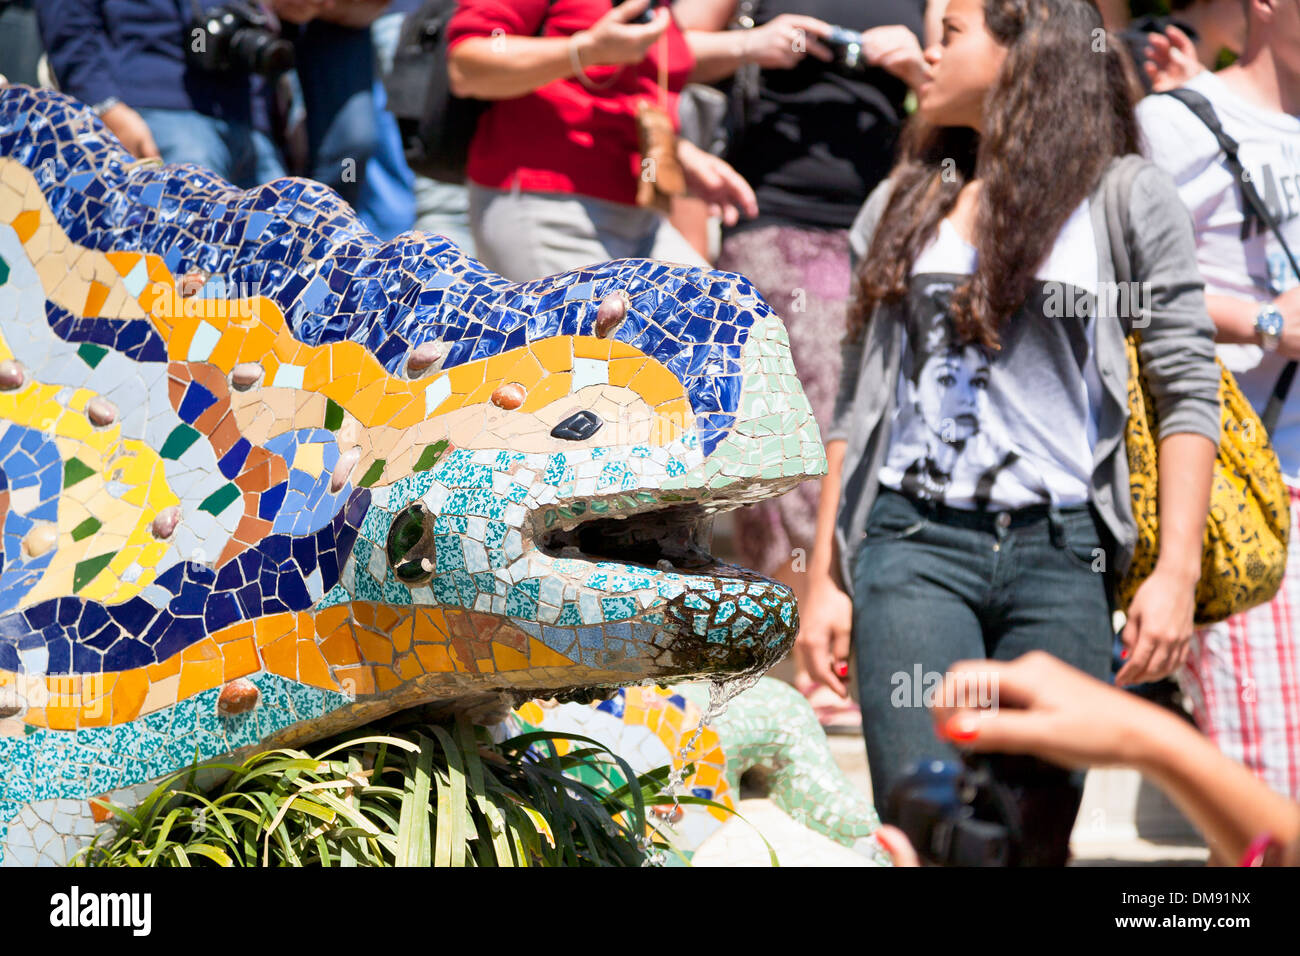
(135, 50)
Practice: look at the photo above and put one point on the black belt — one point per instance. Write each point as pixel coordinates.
(989, 520)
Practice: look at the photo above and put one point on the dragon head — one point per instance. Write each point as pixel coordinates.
(266, 476)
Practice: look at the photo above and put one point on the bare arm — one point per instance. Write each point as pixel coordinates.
(826, 611)
(777, 45)
(1160, 617)
(1177, 350)
(828, 504)
(710, 15)
(1234, 320)
(1224, 800)
(504, 67)
(1049, 709)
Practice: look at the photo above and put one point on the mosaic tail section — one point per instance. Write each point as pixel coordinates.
(264, 477)
(769, 729)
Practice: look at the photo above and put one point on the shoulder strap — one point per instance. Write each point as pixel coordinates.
(1204, 111)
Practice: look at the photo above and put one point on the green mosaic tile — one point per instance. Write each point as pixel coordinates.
(220, 500)
(180, 439)
(86, 528)
(84, 571)
(91, 354)
(429, 457)
(372, 474)
(333, 415)
(75, 470)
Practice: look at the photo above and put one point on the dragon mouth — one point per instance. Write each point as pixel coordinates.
(718, 618)
(676, 538)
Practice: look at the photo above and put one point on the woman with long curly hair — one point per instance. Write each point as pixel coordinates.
(983, 505)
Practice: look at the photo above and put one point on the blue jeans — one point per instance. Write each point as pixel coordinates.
(934, 585)
(236, 152)
(336, 70)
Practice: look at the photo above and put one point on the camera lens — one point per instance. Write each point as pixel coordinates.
(260, 51)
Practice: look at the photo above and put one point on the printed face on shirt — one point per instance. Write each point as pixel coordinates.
(950, 392)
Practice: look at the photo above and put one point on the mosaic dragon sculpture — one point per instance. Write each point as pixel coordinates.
(264, 477)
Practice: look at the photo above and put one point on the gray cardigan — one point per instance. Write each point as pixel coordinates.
(1177, 354)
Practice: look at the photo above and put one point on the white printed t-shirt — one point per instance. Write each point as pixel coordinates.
(1001, 429)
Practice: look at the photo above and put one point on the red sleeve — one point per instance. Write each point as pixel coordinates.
(479, 18)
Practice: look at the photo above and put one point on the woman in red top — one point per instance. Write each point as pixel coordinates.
(555, 164)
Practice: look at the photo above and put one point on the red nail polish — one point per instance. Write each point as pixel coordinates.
(1123, 655)
(842, 670)
(961, 728)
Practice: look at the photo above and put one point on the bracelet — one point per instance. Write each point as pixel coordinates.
(1263, 851)
(575, 61)
(103, 106)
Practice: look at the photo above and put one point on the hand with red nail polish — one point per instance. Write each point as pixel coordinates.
(962, 727)
(1039, 705)
(825, 627)
(897, 845)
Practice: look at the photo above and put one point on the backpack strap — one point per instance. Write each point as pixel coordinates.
(1204, 111)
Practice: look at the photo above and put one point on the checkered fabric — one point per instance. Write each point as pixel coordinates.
(1243, 679)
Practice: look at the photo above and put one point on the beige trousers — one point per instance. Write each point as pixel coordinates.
(528, 235)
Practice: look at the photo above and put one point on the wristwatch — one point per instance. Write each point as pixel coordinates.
(1268, 323)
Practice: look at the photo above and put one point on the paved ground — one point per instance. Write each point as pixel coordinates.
(1123, 822)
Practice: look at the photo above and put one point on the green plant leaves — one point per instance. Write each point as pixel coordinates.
(413, 826)
(410, 793)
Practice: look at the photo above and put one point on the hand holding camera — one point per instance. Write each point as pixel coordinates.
(623, 35)
(988, 809)
(785, 40)
(897, 50)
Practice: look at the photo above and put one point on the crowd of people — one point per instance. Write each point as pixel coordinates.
(909, 184)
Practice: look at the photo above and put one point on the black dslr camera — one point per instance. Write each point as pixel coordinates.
(237, 37)
(989, 810)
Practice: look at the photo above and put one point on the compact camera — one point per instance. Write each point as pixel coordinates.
(237, 37)
(649, 13)
(846, 46)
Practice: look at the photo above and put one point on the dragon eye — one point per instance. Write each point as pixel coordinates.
(578, 426)
(403, 537)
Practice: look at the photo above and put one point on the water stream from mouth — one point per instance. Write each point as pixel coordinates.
(721, 694)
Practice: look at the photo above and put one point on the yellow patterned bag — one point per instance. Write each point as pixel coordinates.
(1244, 552)
(1243, 555)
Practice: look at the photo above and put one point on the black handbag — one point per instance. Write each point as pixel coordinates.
(436, 126)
